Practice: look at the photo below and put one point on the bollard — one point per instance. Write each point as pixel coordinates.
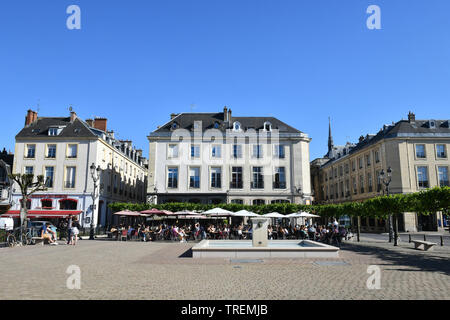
(442, 241)
(424, 237)
(409, 238)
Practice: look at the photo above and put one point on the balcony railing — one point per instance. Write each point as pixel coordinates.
(69, 184)
(257, 185)
(444, 183)
(236, 185)
(279, 185)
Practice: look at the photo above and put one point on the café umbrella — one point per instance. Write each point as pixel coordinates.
(245, 213)
(218, 212)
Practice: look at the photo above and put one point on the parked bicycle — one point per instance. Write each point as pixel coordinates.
(17, 238)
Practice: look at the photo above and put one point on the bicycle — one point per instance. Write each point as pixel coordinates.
(16, 237)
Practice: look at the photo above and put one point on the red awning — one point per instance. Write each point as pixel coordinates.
(42, 214)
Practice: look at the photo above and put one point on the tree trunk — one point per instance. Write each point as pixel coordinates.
(396, 230)
(358, 227)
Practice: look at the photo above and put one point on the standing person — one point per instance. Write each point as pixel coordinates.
(69, 230)
(75, 231)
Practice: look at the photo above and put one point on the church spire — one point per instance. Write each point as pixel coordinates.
(330, 137)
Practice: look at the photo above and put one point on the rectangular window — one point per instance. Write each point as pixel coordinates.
(422, 177)
(369, 181)
(173, 151)
(420, 151)
(335, 172)
(70, 177)
(257, 151)
(347, 188)
(443, 176)
(355, 188)
(346, 168)
(360, 160)
(53, 131)
(258, 178)
(29, 170)
(237, 151)
(216, 177)
(31, 151)
(72, 150)
(361, 183)
(49, 176)
(194, 178)
(216, 151)
(440, 151)
(172, 178)
(236, 178)
(195, 151)
(368, 161)
(341, 172)
(279, 151)
(341, 188)
(280, 178)
(377, 156)
(353, 165)
(51, 151)
(377, 176)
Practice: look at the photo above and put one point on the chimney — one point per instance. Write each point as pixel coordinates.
(229, 116)
(100, 124)
(361, 138)
(90, 122)
(31, 117)
(411, 117)
(173, 115)
(73, 116)
(225, 113)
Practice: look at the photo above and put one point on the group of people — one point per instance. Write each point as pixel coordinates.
(332, 234)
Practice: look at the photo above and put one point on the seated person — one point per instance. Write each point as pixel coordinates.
(46, 233)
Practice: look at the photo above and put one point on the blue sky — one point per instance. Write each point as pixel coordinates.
(137, 61)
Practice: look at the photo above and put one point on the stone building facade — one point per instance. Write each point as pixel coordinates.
(220, 158)
(415, 150)
(63, 149)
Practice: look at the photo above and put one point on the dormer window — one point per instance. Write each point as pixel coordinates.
(53, 131)
(174, 126)
(267, 126)
(432, 124)
(236, 126)
(216, 125)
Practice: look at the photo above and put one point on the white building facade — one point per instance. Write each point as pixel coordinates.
(218, 158)
(63, 150)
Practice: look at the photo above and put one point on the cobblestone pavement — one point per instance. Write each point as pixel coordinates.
(137, 270)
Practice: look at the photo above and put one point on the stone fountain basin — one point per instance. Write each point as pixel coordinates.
(275, 249)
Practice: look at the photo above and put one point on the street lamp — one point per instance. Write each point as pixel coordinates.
(95, 174)
(387, 181)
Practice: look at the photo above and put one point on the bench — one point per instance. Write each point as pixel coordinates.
(36, 240)
(423, 245)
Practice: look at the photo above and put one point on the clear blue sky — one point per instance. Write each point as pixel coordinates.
(136, 61)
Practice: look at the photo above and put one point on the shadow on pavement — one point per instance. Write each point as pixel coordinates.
(426, 262)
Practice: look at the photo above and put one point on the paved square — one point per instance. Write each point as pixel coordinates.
(164, 270)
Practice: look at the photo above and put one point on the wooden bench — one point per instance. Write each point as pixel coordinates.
(423, 245)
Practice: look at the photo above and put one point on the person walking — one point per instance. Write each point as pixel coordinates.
(69, 230)
(75, 231)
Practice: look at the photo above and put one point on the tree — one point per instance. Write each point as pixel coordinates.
(27, 187)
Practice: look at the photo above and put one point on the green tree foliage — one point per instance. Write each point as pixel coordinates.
(424, 202)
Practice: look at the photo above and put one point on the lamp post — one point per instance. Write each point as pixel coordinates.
(95, 174)
(387, 182)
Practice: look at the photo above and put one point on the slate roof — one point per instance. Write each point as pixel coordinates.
(76, 129)
(186, 121)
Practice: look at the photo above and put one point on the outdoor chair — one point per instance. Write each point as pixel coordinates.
(124, 235)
